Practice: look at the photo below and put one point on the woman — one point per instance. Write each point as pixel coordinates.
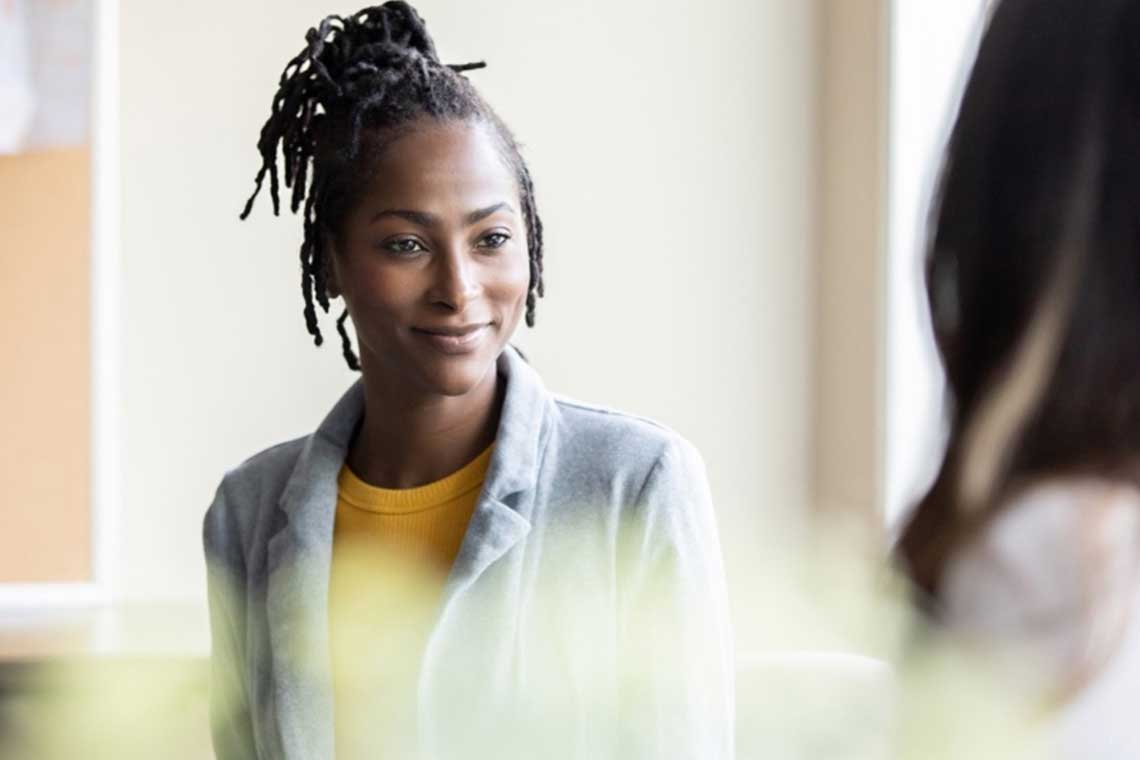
(1027, 546)
(553, 543)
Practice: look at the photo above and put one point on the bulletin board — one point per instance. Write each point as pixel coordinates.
(45, 292)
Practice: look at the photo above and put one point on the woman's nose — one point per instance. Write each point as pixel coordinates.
(455, 282)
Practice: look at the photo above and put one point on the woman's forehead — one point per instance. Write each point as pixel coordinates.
(444, 161)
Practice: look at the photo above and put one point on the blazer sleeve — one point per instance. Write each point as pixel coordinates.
(676, 645)
(230, 717)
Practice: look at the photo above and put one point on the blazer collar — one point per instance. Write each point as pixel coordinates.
(514, 464)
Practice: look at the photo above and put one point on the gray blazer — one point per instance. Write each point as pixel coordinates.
(585, 615)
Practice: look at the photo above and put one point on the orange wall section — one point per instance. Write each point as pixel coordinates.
(45, 367)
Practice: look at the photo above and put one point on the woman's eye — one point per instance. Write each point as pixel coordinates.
(494, 240)
(404, 246)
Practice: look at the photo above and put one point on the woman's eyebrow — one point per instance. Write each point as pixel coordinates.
(479, 215)
(422, 218)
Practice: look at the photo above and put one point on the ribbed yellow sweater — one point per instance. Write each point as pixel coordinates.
(424, 524)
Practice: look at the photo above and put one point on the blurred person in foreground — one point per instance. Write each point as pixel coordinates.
(1026, 549)
(456, 563)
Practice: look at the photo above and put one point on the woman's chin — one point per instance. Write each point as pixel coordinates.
(432, 371)
(455, 376)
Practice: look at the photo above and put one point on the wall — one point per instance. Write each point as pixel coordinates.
(849, 287)
(673, 147)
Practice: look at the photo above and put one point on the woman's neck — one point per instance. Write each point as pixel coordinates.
(407, 440)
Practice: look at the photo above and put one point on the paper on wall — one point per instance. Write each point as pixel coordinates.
(61, 38)
(45, 73)
(17, 106)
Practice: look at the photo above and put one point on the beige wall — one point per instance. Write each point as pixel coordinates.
(673, 146)
(850, 283)
(45, 374)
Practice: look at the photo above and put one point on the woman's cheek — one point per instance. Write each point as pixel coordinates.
(512, 288)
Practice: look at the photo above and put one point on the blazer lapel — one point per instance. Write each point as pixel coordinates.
(476, 618)
(299, 561)
(496, 525)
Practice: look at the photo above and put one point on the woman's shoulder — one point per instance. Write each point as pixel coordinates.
(594, 419)
(266, 470)
(1055, 571)
(245, 489)
(645, 471)
(1049, 530)
(623, 440)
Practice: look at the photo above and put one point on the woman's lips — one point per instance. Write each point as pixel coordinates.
(453, 340)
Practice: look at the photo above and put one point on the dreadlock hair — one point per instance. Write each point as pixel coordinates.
(359, 83)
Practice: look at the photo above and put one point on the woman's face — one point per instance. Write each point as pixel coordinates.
(432, 260)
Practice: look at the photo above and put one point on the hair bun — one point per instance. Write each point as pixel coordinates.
(401, 25)
(388, 33)
(345, 50)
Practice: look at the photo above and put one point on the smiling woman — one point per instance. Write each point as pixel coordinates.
(455, 562)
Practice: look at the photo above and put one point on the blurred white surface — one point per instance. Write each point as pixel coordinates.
(100, 630)
(814, 705)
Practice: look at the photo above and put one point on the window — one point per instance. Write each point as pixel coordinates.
(932, 44)
(56, 207)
